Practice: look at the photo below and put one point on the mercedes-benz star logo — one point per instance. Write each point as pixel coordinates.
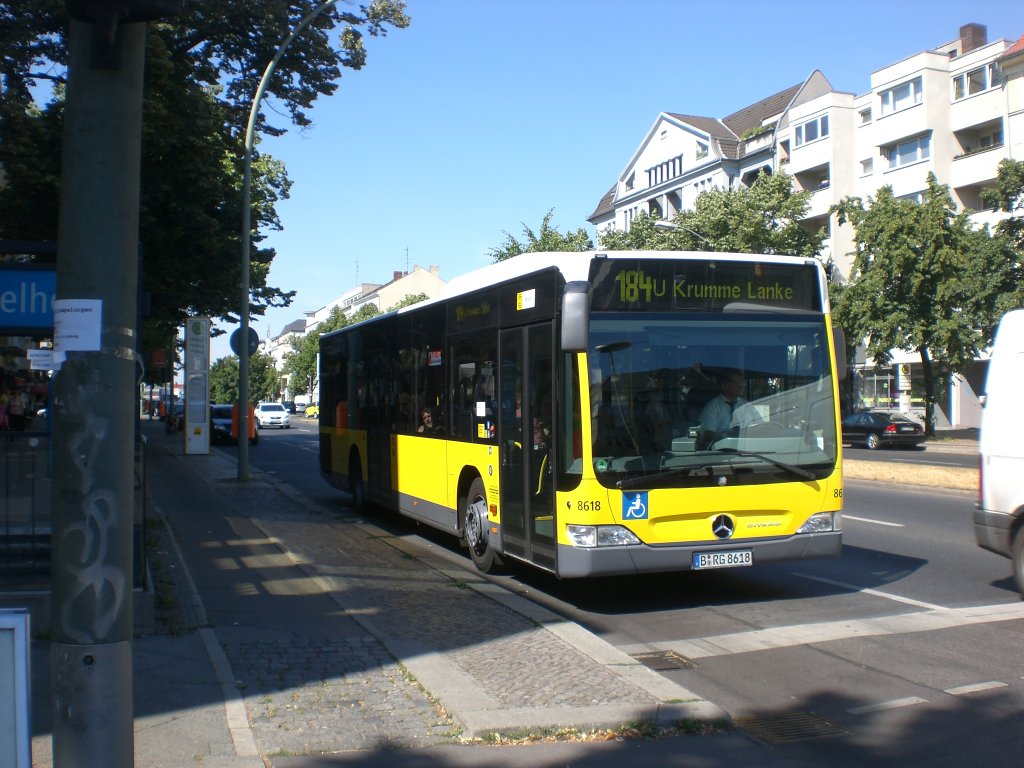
(723, 527)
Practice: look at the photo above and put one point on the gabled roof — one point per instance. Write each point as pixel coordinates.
(755, 115)
(1014, 50)
(725, 132)
(295, 326)
(605, 206)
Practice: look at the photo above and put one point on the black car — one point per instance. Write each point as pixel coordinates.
(220, 424)
(873, 429)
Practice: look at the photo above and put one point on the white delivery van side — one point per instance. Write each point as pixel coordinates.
(999, 516)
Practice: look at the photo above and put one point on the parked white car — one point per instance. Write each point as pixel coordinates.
(272, 415)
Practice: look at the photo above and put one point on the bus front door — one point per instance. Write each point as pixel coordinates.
(527, 444)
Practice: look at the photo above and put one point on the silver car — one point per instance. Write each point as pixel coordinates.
(272, 415)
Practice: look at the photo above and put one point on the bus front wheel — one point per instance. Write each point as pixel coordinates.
(474, 525)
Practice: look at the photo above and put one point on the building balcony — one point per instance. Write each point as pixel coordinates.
(821, 201)
(976, 167)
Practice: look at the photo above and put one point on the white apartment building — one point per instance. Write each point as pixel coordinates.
(955, 111)
(382, 296)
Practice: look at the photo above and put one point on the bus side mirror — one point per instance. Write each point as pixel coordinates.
(576, 316)
(839, 342)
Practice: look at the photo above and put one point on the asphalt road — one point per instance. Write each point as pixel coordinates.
(907, 645)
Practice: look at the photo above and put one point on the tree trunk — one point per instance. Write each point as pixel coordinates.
(929, 392)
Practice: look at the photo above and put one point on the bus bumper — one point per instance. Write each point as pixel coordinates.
(581, 562)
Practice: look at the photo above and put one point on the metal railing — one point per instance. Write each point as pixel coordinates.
(26, 511)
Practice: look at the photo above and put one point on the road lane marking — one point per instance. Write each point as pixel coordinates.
(887, 705)
(960, 690)
(873, 522)
(772, 638)
(874, 592)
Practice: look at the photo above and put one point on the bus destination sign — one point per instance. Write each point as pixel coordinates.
(664, 285)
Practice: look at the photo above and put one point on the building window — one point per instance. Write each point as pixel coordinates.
(865, 116)
(901, 97)
(810, 131)
(867, 167)
(662, 172)
(913, 151)
(630, 181)
(702, 150)
(914, 197)
(992, 138)
(976, 81)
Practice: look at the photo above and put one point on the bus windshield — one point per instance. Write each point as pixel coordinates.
(691, 399)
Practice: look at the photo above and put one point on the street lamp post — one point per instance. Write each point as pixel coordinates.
(668, 226)
(250, 131)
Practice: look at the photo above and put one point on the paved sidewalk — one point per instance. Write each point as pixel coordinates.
(303, 631)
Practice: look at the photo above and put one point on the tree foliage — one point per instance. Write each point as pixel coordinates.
(762, 218)
(202, 70)
(923, 280)
(548, 239)
(264, 380)
(1008, 196)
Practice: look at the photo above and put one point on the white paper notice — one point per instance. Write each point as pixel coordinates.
(76, 325)
(40, 359)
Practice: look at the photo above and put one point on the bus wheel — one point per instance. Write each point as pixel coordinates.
(356, 488)
(474, 525)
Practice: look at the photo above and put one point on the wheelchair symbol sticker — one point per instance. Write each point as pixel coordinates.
(634, 506)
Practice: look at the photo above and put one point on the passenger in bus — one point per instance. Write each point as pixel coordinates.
(717, 416)
(726, 411)
(541, 429)
(426, 425)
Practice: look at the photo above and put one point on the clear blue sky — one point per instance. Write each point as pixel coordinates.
(481, 116)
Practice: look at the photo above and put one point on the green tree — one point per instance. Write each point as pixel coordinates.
(919, 283)
(300, 364)
(202, 69)
(408, 300)
(549, 239)
(1008, 196)
(224, 380)
(264, 380)
(765, 217)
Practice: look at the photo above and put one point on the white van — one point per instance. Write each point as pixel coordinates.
(999, 515)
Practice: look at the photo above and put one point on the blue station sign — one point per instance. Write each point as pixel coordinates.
(26, 300)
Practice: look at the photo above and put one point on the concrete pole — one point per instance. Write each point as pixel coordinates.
(93, 436)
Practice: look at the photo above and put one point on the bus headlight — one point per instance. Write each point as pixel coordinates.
(822, 522)
(601, 535)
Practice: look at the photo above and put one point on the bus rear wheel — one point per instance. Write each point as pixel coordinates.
(473, 507)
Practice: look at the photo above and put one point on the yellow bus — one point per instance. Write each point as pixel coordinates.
(600, 413)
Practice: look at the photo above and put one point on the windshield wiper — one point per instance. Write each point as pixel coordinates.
(654, 477)
(643, 480)
(806, 474)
